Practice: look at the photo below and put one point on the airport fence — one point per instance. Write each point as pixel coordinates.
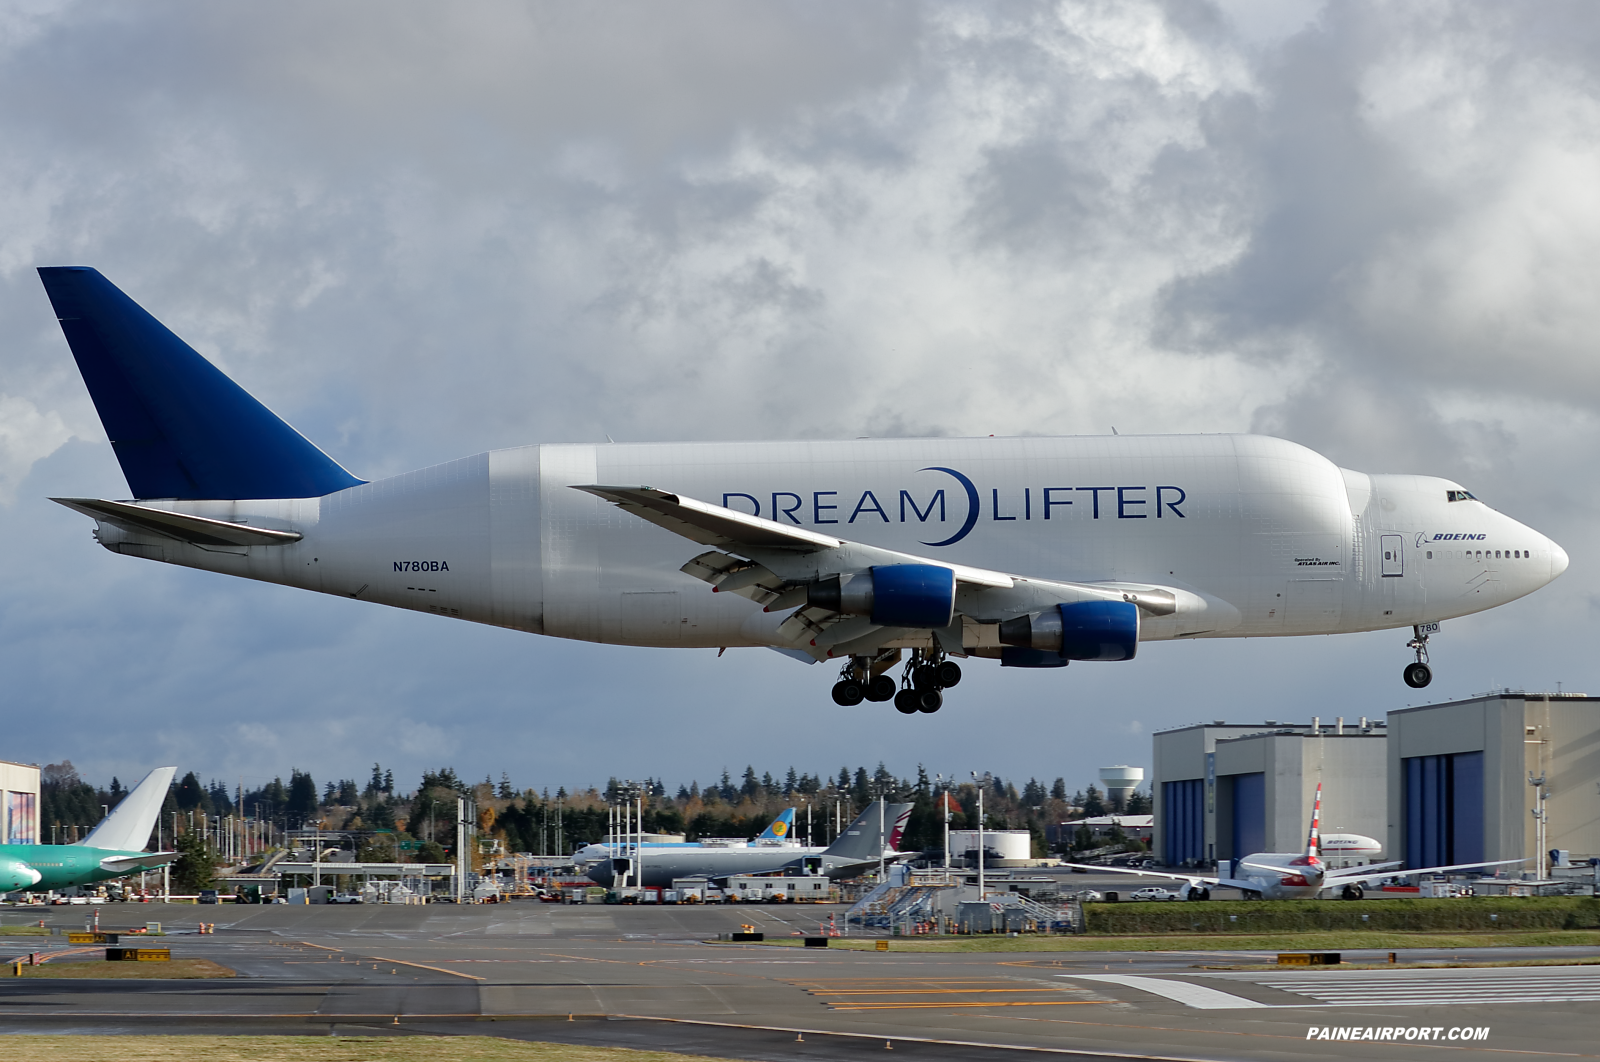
(1476, 913)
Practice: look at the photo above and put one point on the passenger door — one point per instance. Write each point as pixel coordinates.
(1390, 554)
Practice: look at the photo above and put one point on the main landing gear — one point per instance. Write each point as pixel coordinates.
(921, 688)
(1418, 674)
(1351, 892)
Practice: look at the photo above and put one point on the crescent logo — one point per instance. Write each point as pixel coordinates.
(972, 505)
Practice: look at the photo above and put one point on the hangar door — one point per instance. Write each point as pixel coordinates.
(1444, 809)
(1183, 821)
(1249, 813)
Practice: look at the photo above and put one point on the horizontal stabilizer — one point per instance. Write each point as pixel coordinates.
(196, 529)
(127, 828)
(129, 864)
(179, 426)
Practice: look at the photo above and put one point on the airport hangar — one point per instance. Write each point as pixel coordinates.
(1437, 784)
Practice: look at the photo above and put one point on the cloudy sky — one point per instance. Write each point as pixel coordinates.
(421, 231)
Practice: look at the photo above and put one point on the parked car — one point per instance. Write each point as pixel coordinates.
(1152, 892)
(207, 896)
(346, 897)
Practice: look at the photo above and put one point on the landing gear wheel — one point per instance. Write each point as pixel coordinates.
(881, 688)
(906, 702)
(1351, 892)
(1250, 894)
(848, 693)
(947, 674)
(924, 676)
(1418, 675)
(1200, 894)
(929, 701)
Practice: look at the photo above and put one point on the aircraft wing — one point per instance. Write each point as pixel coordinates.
(142, 861)
(772, 563)
(200, 530)
(1192, 879)
(1356, 875)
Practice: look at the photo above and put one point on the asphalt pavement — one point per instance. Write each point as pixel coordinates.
(647, 977)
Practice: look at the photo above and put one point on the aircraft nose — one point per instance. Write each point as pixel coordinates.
(1558, 559)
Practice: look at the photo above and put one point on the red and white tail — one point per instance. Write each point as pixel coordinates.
(1314, 841)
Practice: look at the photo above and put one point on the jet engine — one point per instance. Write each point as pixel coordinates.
(894, 595)
(1081, 630)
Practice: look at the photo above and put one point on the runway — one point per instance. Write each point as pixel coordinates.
(641, 976)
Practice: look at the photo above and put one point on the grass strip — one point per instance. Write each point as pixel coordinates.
(325, 1049)
(1308, 941)
(24, 931)
(173, 970)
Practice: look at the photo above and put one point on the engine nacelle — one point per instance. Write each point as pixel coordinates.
(15, 876)
(894, 595)
(1082, 630)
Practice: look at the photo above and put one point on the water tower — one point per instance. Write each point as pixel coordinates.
(1120, 782)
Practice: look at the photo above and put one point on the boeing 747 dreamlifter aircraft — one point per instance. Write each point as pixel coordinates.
(1031, 551)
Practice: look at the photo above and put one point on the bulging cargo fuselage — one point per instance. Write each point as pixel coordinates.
(1269, 537)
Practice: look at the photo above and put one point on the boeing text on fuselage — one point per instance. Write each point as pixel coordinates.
(874, 554)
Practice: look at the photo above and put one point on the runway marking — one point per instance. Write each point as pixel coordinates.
(1408, 989)
(1198, 997)
(947, 1004)
(436, 969)
(929, 991)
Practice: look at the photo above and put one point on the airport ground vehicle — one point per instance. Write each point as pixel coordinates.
(1153, 892)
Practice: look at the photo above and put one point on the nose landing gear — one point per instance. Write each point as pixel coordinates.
(1419, 674)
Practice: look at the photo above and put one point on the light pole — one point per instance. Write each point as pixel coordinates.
(1541, 818)
(982, 784)
(944, 806)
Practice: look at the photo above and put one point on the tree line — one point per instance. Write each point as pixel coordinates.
(394, 825)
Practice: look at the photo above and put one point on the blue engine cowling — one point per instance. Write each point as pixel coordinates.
(1082, 630)
(894, 595)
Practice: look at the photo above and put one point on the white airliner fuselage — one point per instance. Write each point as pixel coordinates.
(1036, 551)
(1260, 536)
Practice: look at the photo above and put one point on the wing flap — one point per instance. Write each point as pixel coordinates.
(199, 530)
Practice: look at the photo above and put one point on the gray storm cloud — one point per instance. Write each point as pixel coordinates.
(419, 231)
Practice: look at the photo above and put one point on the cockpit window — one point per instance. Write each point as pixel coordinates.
(1459, 495)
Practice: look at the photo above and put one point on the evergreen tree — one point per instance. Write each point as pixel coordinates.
(1138, 803)
(726, 790)
(195, 868)
(862, 787)
(752, 785)
(1058, 791)
(301, 802)
(375, 783)
(388, 782)
(683, 793)
(191, 795)
(767, 784)
(1092, 804)
(506, 792)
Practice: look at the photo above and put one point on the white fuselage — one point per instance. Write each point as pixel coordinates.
(1300, 877)
(1267, 537)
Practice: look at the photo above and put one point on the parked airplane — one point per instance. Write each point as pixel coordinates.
(113, 849)
(853, 852)
(1035, 552)
(1293, 875)
(775, 835)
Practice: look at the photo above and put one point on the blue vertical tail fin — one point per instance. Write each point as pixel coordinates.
(179, 426)
(780, 829)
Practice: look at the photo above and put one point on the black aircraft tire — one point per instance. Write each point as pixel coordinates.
(905, 702)
(948, 674)
(881, 688)
(1418, 675)
(848, 693)
(924, 676)
(929, 701)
